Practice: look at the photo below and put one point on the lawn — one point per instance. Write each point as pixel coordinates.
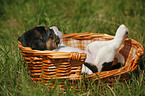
(71, 16)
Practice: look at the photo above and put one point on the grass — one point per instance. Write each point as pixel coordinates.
(75, 16)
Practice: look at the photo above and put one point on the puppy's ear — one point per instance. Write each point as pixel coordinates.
(38, 45)
(21, 39)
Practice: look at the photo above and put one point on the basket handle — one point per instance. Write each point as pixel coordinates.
(75, 56)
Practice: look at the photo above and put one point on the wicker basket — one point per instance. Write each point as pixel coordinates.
(46, 65)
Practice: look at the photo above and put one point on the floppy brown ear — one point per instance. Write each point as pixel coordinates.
(38, 45)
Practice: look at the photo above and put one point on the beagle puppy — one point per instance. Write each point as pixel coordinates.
(40, 38)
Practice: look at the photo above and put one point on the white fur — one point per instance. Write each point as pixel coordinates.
(68, 49)
(99, 52)
(57, 33)
(86, 70)
(120, 58)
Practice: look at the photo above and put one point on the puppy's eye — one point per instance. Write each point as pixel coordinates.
(51, 35)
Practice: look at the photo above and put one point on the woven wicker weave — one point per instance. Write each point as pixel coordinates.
(46, 65)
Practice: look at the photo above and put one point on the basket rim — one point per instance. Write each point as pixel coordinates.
(29, 50)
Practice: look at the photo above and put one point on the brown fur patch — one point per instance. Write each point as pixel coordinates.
(51, 44)
(37, 33)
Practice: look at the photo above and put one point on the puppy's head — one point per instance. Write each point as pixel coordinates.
(57, 33)
(53, 41)
(40, 38)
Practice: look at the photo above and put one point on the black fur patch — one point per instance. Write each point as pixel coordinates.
(116, 66)
(107, 66)
(93, 68)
